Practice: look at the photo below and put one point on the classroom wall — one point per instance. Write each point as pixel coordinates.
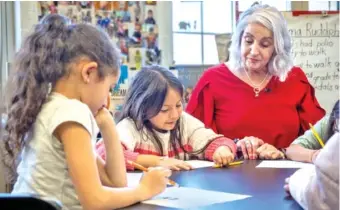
(19, 21)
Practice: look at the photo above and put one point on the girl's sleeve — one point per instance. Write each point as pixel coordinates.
(308, 140)
(198, 137)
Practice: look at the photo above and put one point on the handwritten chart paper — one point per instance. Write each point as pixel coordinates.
(283, 164)
(200, 163)
(316, 50)
(184, 198)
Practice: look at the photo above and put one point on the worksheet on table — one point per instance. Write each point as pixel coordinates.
(185, 197)
(200, 163)
(283, 164)
(133, 179)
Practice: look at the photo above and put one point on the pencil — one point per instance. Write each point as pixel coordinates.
(230, 164)
(316, 135)
(235, 163)
(142, 168)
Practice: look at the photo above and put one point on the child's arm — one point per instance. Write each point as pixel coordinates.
(308, 140)
(128, 154)
(145, 160)
(297, 152)
(200, 137)
(304, 147)
(83, 170)
(112, 172)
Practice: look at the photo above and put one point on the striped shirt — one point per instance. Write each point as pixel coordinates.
(194, 137)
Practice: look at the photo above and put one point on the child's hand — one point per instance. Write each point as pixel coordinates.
(103, 117)
(153, 182)
(175, 164)
(223, 155)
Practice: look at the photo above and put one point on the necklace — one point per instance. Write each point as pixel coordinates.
(256, 88)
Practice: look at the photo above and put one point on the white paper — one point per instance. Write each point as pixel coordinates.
(200, 163)
(283, 164)
(184, 198)
(133, 179)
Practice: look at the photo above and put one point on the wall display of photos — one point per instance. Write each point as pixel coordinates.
(130, 24)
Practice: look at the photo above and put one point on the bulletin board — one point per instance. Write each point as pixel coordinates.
(130, 24)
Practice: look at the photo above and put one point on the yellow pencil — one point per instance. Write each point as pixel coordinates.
(230, 164)
(316, 135)
(235, 163)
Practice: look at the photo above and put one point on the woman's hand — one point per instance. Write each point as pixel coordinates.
(175, 164)
(269, 152)
(223, 156)
(249, 145)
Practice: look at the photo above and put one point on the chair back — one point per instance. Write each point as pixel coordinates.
(27, 202)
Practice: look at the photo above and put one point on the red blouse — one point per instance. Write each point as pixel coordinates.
(278, 115)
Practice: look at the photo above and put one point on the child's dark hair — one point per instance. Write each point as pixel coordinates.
(333, 119)
(144, 100)
(43, 59)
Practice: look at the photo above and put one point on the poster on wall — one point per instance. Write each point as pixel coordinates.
(137, 57)
(151, 2)
(130, 24)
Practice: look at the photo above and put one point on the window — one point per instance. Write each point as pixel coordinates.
(280, 5)
(217, 16)
(187, 17)
(322, 5)
(195, 24)
(187, 48)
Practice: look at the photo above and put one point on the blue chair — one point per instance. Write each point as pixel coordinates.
(27, 202)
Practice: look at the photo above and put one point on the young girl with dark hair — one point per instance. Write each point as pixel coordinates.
(62, 76)
(156, 132)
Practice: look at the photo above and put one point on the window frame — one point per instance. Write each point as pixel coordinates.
(202, 33)
(234, 7)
